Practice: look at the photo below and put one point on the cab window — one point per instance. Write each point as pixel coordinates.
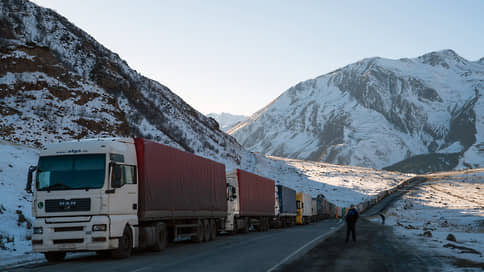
(123, 174)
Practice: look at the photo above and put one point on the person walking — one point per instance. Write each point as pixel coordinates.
(351, 218)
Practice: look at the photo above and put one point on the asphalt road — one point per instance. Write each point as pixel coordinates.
(242, 252)
(377, 248)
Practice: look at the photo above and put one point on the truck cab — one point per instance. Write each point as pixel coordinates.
(232, 202)
(304, 208)
(85, 196)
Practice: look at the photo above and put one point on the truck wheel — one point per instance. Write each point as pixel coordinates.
(213, 229)
(206, 230)
(53, 257)
(236, 227)
(125, 245)
(245, 229)
(198, 238)
(264, 225)
(160, 238)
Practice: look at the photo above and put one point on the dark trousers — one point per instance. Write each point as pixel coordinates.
(350, 228)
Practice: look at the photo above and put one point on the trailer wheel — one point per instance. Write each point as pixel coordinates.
(245, 229)
(53, 257)
(198, 238)
(265, 225)
(206, 230)
(213, 229)
(161, 237)
(125, 245)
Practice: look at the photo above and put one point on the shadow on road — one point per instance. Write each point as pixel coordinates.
(377, 249)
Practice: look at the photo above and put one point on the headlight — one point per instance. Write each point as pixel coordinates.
(100, 227)
(38, 230)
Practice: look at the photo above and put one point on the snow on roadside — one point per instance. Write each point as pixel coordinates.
(444, 205)
(15, 204)
(342, 185)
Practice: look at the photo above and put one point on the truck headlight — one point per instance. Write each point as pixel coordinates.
(38, 230)
(100, 227)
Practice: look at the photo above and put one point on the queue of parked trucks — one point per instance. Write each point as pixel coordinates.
(114, 195)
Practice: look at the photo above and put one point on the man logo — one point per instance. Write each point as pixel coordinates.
(67, 204)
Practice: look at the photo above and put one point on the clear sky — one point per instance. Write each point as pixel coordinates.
(238, 56)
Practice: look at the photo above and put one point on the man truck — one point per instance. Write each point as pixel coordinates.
(113, 195)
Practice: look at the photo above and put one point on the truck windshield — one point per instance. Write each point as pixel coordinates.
(71, 172)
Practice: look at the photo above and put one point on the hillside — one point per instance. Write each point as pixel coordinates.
(58, 83)
(378, 112)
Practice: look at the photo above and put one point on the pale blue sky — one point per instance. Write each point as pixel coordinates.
(237, 56)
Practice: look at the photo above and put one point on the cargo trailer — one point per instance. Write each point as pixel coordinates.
(250, 201)
(285, 207)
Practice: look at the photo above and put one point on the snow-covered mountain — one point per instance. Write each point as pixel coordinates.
(426, 113)
(58, 83)
(227, 120)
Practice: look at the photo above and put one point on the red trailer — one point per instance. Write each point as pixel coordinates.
(183, 190)
(251, 201)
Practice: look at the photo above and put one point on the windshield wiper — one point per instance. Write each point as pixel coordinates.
(56, 186)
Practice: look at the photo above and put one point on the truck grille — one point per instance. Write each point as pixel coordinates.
(62, 229)
(68, 241)
(68, 205)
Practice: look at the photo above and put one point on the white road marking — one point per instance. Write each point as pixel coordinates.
(322, 236)
(141, 269)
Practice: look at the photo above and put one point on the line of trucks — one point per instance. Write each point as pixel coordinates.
(114, 195)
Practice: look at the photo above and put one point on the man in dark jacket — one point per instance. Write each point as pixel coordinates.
(351, 218)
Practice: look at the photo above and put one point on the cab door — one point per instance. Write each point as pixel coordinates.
(123, 198)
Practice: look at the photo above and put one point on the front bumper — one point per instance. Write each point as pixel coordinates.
(72, 234)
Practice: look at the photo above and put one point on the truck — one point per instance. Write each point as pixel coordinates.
(116, 194)
(315, 209)
(285, 207)
(250, 202)
(325, 206)
(304, 208)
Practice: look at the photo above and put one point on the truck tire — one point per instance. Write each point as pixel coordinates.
(198, 238)
(245, 229)
(213, 229)
(264, 224)
(206, 230)
(236, 228)
(125, 245)
(161, 238)
(53, 257)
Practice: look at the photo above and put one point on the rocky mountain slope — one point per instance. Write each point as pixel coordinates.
(227, 120)
(421, 114)
(59, 83)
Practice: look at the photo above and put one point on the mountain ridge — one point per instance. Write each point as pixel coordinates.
(227, 120)
(353, 115)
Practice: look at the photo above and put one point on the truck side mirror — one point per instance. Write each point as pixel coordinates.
(234, 194)
(116, 177)
(28, 187)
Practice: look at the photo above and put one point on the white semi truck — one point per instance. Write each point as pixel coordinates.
(113, 195)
